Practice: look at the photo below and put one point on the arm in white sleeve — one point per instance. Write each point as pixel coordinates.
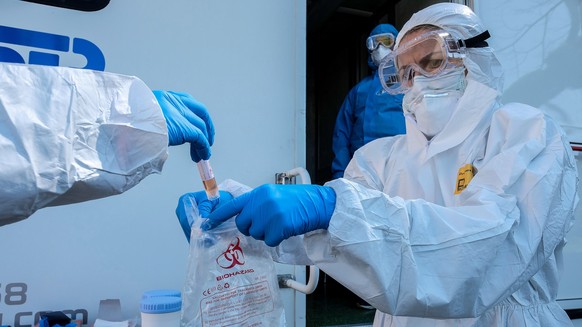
(71, 135)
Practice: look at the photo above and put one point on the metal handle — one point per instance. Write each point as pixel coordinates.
(290, 282)
(288, 177)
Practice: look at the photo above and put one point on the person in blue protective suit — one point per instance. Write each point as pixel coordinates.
(459, 222)
(69, 135)
(368, 112)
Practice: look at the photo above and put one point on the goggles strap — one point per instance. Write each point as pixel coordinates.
(477, 41)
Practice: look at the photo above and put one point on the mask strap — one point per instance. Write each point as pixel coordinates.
(477, 41)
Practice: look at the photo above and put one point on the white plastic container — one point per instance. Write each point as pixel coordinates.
(160, 311)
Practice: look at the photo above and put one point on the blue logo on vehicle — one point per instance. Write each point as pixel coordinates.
(47, 41)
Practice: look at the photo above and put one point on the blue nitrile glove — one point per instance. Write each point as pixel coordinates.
(205, 207)
(188, 120)
(274, 213)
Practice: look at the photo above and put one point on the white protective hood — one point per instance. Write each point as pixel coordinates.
(461, 22)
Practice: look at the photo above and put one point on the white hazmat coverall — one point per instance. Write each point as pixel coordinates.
(71, 135)
(427, 254)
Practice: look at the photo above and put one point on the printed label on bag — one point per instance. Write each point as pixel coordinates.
(234, 307)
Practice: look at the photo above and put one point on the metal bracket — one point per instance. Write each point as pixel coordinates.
(284, 178)
(283, 278)
(287, 280)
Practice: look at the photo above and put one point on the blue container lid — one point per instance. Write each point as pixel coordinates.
(161, 292)
(161, 304)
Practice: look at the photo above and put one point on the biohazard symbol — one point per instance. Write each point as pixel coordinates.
(232, 256)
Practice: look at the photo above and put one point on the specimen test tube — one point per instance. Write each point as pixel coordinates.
(208, 179)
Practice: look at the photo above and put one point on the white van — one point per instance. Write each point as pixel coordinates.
(273, 74)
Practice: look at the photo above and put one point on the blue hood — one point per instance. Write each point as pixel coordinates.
(382, 28)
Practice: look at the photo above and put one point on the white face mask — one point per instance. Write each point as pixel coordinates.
(432, 100)
(379, 53)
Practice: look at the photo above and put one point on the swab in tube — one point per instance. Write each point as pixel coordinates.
(208, 180)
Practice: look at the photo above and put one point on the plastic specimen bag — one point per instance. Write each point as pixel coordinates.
(231, 280)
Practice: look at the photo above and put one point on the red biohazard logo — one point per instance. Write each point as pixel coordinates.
(232, 256)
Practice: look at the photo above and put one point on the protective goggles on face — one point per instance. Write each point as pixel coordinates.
(386, 39)
(429, 54)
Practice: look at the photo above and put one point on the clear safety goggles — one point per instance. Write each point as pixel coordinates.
(386, 39)
(429, 55)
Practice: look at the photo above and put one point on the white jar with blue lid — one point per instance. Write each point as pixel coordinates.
(160, 311)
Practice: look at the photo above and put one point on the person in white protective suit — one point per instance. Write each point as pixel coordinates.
(70, 135)
(459, 222)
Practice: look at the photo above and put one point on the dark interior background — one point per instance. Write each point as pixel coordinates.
(337, 60)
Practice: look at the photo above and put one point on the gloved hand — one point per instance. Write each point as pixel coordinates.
(188, 120)
(274, 213)
(205, 207)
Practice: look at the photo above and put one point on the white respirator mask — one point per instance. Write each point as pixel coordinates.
(379, 53)
(432, 100)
